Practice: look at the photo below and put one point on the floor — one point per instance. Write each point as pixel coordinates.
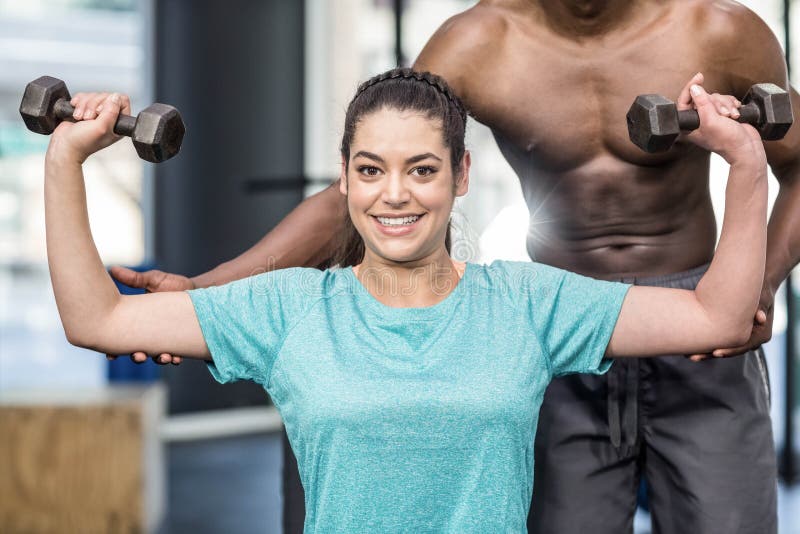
(224, 486)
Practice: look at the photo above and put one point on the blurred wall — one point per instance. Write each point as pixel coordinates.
(235, 71)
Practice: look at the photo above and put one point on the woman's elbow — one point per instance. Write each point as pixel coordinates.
(73, 334)
(735, 334)
(83, 339)
(77, 339)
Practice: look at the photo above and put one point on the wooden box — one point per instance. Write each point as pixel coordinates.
(82, 461)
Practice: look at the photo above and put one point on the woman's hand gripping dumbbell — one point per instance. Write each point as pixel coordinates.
(157, 131)
(655, 122)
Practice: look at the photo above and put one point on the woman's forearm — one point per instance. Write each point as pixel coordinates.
(304, 238)
(83, 289)
(730, 289)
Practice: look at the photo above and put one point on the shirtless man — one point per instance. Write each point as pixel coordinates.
(553, 79)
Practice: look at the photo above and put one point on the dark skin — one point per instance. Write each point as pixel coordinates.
(554, 80)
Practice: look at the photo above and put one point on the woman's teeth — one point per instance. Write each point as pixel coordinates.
(398, 221)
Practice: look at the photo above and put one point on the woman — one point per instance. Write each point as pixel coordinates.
(409, 383)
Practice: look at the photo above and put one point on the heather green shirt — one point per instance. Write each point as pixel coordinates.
(411, 419)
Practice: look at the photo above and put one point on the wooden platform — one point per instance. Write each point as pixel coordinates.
(82, 461)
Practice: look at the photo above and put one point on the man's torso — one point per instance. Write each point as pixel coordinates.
(599, 205)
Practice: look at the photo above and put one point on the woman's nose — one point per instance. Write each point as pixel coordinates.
(396, 192)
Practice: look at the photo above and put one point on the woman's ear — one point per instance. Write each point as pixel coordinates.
(462, 184)
(343, 177)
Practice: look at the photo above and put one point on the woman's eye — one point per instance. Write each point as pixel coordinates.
(369, 170)
(423, 171)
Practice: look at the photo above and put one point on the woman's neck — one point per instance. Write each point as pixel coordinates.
(413, 285)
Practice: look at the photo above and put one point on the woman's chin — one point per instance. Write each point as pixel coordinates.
(401, 254)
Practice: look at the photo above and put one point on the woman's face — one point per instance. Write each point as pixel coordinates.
(400, 185)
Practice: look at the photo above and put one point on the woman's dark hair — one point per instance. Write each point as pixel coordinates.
(401, 89)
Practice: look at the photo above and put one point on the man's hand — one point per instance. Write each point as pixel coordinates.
(151, 281)
(762, 329)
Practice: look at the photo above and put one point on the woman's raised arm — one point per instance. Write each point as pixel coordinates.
(92, 311)
(720, 311)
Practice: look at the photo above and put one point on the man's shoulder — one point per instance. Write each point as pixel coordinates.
(729, 30)
(469, 46)
(484, 21)
(465, 40)
(725, 19)
(737, 41)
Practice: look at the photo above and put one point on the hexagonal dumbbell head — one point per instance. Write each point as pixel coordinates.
(37, 104)
(158, 133)
(653, 123)
(775, 106)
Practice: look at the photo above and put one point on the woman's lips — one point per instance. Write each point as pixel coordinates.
(396, 230)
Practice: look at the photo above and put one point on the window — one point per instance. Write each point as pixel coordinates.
(91, 45)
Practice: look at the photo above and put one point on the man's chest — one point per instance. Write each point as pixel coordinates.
(563, 106)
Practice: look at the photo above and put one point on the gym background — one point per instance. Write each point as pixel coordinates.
(262, 86)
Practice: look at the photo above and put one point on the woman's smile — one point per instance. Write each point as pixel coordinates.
(397, 226)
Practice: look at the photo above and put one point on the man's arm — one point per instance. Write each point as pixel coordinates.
(304, 238)
(760, 58)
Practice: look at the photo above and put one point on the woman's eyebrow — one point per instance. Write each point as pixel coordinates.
(420, 157)
(412, 159)
(369, 155)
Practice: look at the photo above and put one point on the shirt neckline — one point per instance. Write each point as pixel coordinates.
(368, 301)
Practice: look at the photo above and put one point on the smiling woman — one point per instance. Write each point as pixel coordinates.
(400, 205)
(409, 384)
(443, 128)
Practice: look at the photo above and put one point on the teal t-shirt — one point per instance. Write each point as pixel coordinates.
(411, 419)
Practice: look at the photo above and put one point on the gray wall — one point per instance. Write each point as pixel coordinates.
(235, 71)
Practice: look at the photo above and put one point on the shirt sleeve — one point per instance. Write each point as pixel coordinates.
(245, 322)
(575, 316)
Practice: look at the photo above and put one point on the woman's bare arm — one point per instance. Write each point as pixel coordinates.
(719, 312)
(92, 311)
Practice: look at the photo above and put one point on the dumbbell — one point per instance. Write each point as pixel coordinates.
(157, 131)
(654, 122)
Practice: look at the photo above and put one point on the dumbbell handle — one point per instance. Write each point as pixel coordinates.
(64, 110)
(689, 119)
